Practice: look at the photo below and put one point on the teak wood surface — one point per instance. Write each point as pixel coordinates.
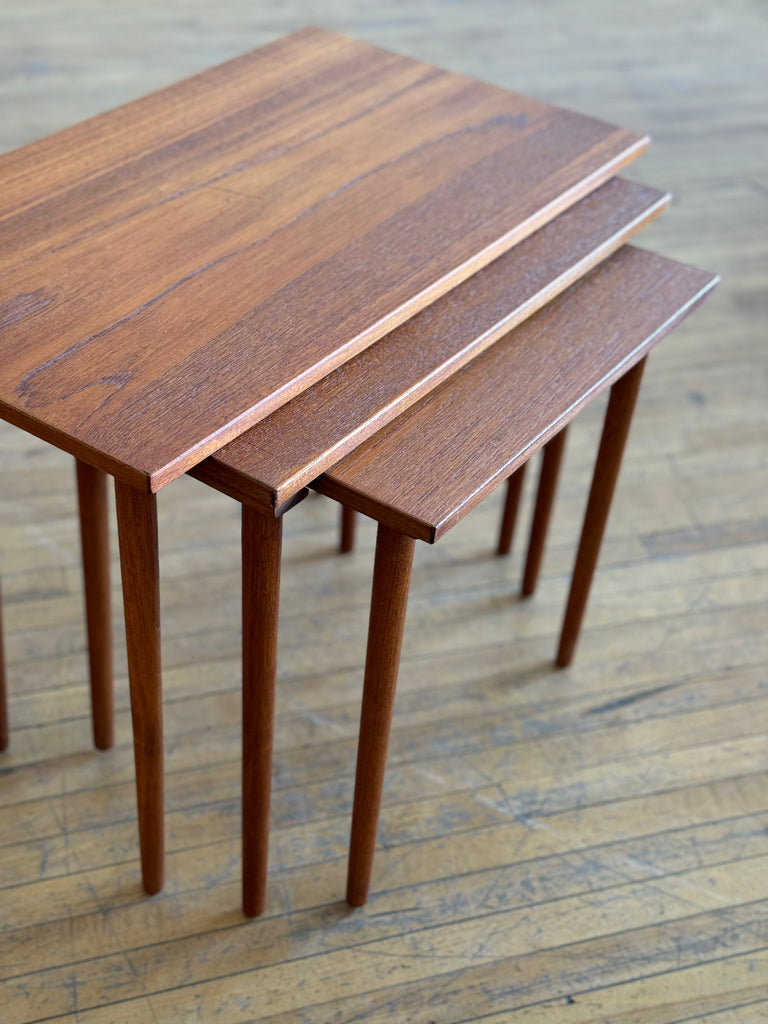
(273, 460)
(427, 469)
(176, 269)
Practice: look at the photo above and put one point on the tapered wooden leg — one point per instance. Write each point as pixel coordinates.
(94, 539)
(348, 520)
(545, 496)
(618, 418)
(3, 695)
(261, 543)
(137, 531)
(508, 519)
(391, 578)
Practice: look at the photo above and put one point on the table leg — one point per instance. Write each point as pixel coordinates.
(94, 539)
(550, 467)
(261, 544)
(348, 520)
(3, 695)
(618, 417)
(391, 579)
(137, 531)
(509, 517)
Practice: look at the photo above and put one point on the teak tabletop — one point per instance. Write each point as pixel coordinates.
(173, 271)
(462, 440)
(176, 269)
(270, 463)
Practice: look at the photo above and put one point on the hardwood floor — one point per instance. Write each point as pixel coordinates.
(587, 845)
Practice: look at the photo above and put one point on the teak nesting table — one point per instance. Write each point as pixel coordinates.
(424, 472)
(177, 270)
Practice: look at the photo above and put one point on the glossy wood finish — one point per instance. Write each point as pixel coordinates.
(545, 497)
(267, 219)
(509, 514)
(137, 531)
(290, 448)
(389, 601)
(94, 546)
(559, 360)
(618, 418)
(261, 544)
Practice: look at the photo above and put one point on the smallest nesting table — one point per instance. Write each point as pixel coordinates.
(420, 476)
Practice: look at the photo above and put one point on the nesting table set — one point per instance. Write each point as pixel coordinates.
(319, 264)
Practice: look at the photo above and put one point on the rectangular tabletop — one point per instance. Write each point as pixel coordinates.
(427, 469)
(270, 463)
(174, 270)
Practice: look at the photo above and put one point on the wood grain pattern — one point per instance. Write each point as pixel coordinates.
(212, 263)
(425, 471)
(288, 449)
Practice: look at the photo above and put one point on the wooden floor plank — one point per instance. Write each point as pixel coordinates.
(487, 883)
(419, 985)
(366, 960)
(734, 992)
(448, 751)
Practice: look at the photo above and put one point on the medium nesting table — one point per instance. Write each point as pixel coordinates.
(173, 271)
(268, 467)
(428, 468)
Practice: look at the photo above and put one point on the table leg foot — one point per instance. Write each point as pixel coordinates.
(391, 579)
(261, 544)
(137, 531)
(94, 540)
(618, 417)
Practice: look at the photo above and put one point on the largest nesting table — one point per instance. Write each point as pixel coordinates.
(173, 271)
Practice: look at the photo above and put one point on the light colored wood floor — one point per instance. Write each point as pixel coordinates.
(580, 846)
